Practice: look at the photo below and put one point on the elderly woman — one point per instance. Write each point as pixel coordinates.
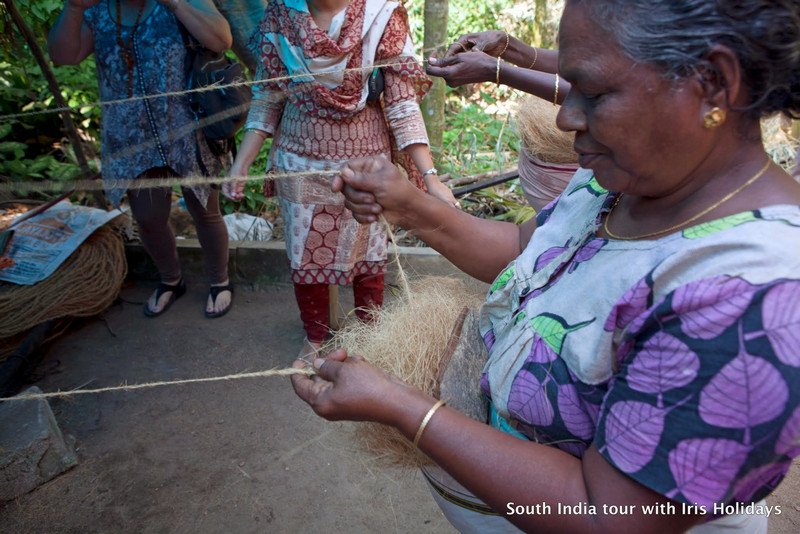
(642, 332)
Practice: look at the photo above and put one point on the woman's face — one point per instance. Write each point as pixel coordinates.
(639, 133)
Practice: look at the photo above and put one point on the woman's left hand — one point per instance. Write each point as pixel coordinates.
(442, 192)
(461, 69)
(348, 388)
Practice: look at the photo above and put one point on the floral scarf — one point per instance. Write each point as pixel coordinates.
(340, 60)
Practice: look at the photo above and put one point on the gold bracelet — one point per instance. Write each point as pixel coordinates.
(426, 420)
(505, 47)
(535, 57)
(497, 74)
(555, 97)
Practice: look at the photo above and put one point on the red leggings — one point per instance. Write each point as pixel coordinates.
(313, 302)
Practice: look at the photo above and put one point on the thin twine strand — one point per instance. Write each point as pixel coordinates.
(90, 185)
(289, 371)
(149, 183)
(147, 385)
(213, 87)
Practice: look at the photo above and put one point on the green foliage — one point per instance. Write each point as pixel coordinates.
(532, 21)
(477, 137)
(39, 151)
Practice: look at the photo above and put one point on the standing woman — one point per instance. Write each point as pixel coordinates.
(316, 58)
(140, 51)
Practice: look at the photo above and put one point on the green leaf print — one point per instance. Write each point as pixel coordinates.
(503, 279)
(553, 329)
(592, 186)
(712, 227)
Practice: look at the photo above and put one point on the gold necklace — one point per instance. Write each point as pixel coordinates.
(714, 206)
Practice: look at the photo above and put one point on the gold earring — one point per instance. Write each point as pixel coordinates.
(714, 117)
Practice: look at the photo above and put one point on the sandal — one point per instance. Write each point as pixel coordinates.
(177, 291)
(214, 292)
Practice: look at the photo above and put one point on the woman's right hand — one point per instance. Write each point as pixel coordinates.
(493, 42)
(234, 190)
(373, 186)
(348, 388)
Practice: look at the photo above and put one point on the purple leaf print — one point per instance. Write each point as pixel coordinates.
(572, 413)
(633, 430)
(664, 363)
(587, 252)
(549, 255)
(746, 392)
(766, 476)
(485, 385)
(528, 401)
(705, 468)
(789, 439)
(574, 448)
(632, 303)
(541, 351)
(708, 307)
(488, 339)
(781, 316)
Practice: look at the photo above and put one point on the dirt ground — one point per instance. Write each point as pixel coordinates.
(239, 456)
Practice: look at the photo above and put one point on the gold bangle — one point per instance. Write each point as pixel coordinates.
(555, 97)
(497, 74)
(426, 420)
(535, 57)
(505, 47)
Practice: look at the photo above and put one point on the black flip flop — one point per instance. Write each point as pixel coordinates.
(177, 291)
(214, 292)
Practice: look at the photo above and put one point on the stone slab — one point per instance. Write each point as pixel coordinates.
(32, 447)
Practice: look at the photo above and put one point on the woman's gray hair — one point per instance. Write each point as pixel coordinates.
(677, 36)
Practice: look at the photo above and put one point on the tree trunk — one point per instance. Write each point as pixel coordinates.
(69, 126)
(435, 40)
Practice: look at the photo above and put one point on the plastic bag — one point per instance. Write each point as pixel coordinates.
(244, 227)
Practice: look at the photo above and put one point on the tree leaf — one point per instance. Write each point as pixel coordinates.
(633, 430)
(718, 225)
(528, 400)
(789, 439)
(767, 477)
(664, 363)
(746, 392)
(708, 307)
(704, 468)
(572, 413)
(781, 317)
(633, 303)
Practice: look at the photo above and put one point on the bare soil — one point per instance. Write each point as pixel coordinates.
(238, 456)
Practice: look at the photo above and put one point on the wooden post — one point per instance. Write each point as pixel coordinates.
(49, 75)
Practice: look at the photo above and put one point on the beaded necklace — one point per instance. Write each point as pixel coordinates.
(126, 51)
